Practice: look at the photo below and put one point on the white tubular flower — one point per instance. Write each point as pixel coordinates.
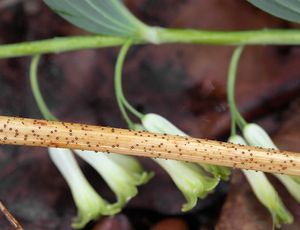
(268, 196)
(122, 173)
(257, 136)
(264, 191)
(191, 180)
(89, 204)
(156, 123)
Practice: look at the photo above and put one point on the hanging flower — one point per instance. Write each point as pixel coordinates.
(122, 173)
(257, 136)
(89, 203)
(264, 191)
(190, 178)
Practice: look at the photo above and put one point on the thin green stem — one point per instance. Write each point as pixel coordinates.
(250, 37)
(236, 116)
(163, 36)
(118, 81)
(36, 90)
(233, 125)
(59, 45)
(121, 100)
(131, 108)
(118, 86)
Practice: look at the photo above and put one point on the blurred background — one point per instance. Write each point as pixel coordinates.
(184, 83)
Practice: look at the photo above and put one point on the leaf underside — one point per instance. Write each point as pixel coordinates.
(285, 9)
(107, 17)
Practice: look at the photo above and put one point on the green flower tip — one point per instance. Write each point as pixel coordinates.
(217, 171)
(281, 215)
(204, 185)
(90, 207)
(190, 180)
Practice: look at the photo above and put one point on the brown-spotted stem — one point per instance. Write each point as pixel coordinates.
(32, 132)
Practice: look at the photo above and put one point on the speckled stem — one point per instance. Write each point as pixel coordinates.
(21, 131)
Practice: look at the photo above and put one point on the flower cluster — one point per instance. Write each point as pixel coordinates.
(122, 174)
(193, 180)
(255, 135)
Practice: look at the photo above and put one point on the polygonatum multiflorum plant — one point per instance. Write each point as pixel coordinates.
(112, 24)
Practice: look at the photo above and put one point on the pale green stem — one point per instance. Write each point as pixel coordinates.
(118, 80)
(250, 37)
(58, 45)
(235, 115)
(121, 100)
(36, 90)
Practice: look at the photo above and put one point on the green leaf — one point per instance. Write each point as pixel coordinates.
(107, 17)
(285, 9)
